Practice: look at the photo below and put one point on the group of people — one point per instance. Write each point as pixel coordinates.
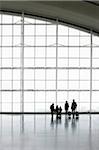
(58, 109)
(73, 106)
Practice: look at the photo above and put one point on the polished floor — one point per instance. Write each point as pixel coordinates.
(39, 132)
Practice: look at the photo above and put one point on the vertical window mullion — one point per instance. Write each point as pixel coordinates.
(1, 66)
(34, 60)
(68, 70)
(91, 44)
(79, 74)
(12, 64)
(22, 64)
(56, 56)
(45, 62)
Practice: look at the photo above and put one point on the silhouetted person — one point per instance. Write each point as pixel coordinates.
(66, 107)
(73, 107)
(52, 110)
(57, 111)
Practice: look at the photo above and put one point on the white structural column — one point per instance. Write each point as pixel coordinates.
(1, 70)
(56, 57)
(68, 69)
(45, 64)
(79, 74)
(34, 63)
(12, 64)
(22, 64)
(91, 72)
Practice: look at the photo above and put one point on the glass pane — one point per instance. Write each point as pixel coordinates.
(51, 30)
(6, 97)
(85, 97)
(6, 52)
(62, 62)
(95, 107)
(28, 30)
(62, 74)
(40, 85)
(50, 85)
(40, 97)
(29, 85)
(62, 30)
(84, 52)
(51, 74)
(95, 96)
(51, 97)
(28, 96)
(74, 85)
(62, 85)
(5, 30)
(62, 52)
(28, 52)
(37, 65)
(40, 107)
(73, 95)
(40, 74)
(16, 107)
(28, 107)
(73, 74)
(74, 52)
(95, 74)
(62, 97)
(28, 74)
(17, 30)
(51, 52)
(16, 97)
(6, 107)
(84, 107)
(39, 31)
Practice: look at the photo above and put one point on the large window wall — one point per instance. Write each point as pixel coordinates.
(44, 62)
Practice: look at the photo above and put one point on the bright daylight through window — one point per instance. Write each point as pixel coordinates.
(44, 61)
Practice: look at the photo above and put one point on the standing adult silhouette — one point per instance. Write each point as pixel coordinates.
(73, 107)
(57, 111)
(52, 109)
(66, 107)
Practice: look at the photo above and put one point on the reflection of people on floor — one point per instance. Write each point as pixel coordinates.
(69, 115)
(66, 122)
(52, 122)
(73, 124)
(66, 107)
(77, 115)
(73, 107)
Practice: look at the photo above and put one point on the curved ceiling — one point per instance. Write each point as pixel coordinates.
(81, 13)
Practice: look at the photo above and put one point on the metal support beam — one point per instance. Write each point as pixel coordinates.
(56, 57)
(91, 44)
(1, 70)
(22, 64)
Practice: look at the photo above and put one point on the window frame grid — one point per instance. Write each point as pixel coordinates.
(22, 68)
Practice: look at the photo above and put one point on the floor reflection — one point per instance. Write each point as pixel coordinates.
(73, 133)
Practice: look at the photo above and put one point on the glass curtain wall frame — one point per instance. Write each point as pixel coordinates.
(44, 62)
